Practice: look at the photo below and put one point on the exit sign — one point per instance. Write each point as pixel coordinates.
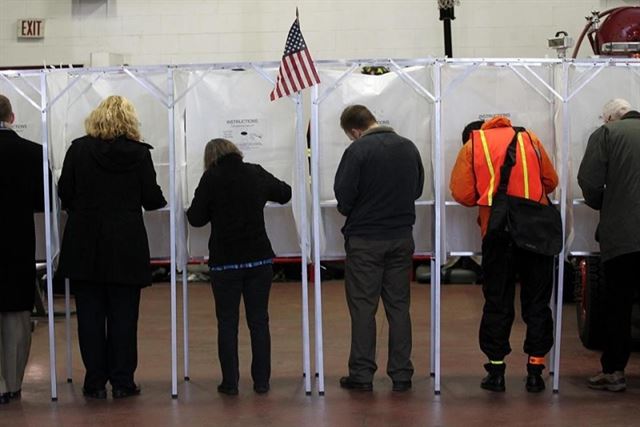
(31, 28)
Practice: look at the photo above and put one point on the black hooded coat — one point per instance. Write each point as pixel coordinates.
(103, 187)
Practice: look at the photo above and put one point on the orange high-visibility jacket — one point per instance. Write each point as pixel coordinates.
(476, 174)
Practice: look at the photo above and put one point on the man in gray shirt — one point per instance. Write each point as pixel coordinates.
(609, 176)
(378, 180)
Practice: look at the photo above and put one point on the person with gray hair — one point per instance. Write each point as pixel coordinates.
(615, 109)
(231, 196)
(609, 177)
(22, 189)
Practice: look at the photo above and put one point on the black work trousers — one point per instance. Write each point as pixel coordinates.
(253, 286)
(619, 299)
(377, 269)
(503, 264)
(107, 332)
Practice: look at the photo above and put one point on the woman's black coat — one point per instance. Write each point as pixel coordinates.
(21, 186)
(104, 186)
(232, 196)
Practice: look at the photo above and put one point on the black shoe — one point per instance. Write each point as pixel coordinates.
(535, 383)
(228, 390)
(4, 398)
(15, 395)
(100, 393)
(261, 388)
(401, 386)
(494, 381)
(122, 392)
(349, 384)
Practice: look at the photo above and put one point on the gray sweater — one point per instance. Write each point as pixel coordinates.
(609, 176)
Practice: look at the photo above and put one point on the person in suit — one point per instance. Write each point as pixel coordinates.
(231, 196)
(21, 186)
(107, 178)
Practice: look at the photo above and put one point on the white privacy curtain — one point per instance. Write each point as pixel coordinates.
(395, 103)
(473, 91)
(23, 91)
(594, 85)
(234, 104)
(28, 122)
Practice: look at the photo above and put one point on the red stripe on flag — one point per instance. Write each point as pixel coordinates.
(287, 66)
(294, 59)
(302, 68)
(284, 83)
(279, 88)
(305, 69)
(312, 67)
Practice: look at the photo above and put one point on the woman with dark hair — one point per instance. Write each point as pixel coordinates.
(107, 178)
(231, 196)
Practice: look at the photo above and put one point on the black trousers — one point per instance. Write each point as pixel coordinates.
(377, 269)
(253, 286)
(503, 263)
(107, 332)
(619, 298)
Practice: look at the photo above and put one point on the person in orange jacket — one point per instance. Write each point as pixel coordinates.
(474, 181)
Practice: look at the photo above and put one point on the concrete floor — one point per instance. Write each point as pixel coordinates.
(462, 402)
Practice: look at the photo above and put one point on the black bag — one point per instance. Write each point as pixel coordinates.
(533, 226)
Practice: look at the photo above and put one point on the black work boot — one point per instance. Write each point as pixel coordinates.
(535, 382)
(494, 381)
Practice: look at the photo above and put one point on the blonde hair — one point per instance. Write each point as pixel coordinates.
(615, 109)
(218, 148)
(114, 117)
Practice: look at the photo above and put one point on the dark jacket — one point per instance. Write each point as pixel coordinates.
(609, 176)
(21, 186)
(104, 186)
(232, 196)
(378, 180)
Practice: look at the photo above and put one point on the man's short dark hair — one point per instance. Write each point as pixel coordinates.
(356, 117)
(466, 133)
(5, 109)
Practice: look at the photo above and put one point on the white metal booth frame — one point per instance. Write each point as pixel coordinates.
(565, 86)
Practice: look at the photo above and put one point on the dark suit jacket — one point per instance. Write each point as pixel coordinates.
(21, 187)
(104, 186)
(232, 196)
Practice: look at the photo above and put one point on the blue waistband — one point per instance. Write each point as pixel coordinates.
(251, 264)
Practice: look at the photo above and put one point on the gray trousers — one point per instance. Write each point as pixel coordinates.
(375, 269)
(15, 343)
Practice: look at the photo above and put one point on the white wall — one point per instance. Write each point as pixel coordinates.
(197, 31)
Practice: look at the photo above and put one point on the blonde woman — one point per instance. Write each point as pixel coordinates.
(107, 178)
(231, 196)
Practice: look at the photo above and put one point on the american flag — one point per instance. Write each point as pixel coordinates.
(296, 68)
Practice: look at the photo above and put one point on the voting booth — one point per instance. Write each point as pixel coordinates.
(428, 101)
